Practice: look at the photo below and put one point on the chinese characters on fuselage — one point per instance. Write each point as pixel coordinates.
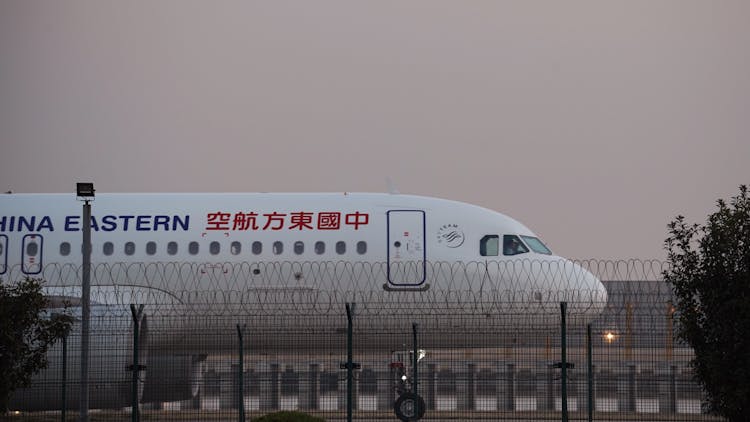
(300, 220)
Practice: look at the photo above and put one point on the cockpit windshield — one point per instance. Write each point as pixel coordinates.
(536, 245)
(512, 245)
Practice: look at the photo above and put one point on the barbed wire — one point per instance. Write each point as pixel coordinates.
(291, 288)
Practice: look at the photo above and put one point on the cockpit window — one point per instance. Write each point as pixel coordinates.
(512, 245)
(489, 245)
(536, 245)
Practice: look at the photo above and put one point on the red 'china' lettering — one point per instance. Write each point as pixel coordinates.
(329, 220)
(357, 219)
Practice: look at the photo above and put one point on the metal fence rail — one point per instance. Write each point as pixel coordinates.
(489, 354)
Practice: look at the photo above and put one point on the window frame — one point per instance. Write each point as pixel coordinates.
(535, 241)
(510, 237)
(483, 244)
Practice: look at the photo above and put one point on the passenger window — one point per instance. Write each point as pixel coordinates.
(512, 245)
(340, 247)
(489, 245)
(193, 248)
(299, 247)
(257, 248)
(214, 248)
(129, 248)
(361, 247)
(108, 248)
(278, 248)
(172, 248)
(151, 248)
(32, 248)
(320, 247)
(65, 249)
(235, 248)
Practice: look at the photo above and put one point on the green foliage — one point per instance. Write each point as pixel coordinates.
(288, 417)
(710, 275)
(27, 331)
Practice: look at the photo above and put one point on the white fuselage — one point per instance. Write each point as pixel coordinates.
(191, 255)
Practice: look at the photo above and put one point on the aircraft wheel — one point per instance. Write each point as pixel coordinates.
(409, 407)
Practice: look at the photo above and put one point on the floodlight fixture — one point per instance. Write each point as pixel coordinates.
(85, 191)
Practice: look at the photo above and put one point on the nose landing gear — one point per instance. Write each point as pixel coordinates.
(409, 406)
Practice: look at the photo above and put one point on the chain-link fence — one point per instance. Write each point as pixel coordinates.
(487, 336)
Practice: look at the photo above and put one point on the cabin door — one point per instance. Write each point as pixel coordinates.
(407, 256)
(32, 254)
(3, 253)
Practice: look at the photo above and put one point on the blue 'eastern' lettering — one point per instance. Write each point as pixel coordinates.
(107, 223)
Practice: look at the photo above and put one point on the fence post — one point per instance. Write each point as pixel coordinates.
(563, 363)
(241, 373)
(590, 374)
(349, 365)
(415, 360)
(136, 367)
(64, 375)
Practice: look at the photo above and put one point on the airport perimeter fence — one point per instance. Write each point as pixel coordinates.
(232, 342)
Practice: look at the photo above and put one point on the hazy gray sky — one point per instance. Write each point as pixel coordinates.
(592, 122)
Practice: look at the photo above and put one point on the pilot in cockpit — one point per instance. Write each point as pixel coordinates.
(512, 246)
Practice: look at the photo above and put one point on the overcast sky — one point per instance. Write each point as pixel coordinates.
(592, 122)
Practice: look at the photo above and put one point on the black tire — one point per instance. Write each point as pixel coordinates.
(409, 407)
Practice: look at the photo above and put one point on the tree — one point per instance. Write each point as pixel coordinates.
(27, 331)
(710, 275)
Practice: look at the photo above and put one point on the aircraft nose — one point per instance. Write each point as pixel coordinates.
(591, 295)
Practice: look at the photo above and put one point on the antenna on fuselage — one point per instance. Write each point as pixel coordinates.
(392, 189)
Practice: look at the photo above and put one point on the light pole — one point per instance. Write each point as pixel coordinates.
(85, 193)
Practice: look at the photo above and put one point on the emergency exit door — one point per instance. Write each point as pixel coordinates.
(407, 255)
(3, 253)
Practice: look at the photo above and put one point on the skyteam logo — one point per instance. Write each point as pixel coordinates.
(450, 235)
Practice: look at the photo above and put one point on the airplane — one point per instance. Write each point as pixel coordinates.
(202, 262)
